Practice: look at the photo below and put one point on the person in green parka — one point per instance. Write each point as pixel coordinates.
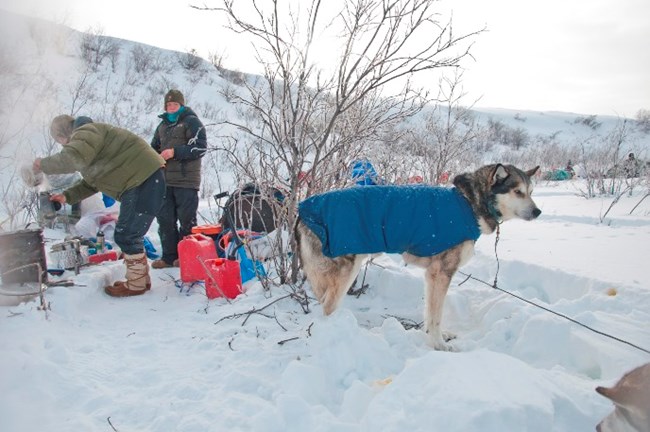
(123, 166)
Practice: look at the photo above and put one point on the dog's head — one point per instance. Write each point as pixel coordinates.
(511, 189)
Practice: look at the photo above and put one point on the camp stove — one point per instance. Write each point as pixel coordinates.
(68, 255)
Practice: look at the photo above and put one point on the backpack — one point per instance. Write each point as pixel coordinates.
(252, 209)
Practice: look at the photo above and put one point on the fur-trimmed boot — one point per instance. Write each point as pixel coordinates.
(137, 277)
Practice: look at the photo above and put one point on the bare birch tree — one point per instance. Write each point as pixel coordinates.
(308, 119)
(447, 134)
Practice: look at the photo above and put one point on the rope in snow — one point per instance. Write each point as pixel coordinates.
(566, 317)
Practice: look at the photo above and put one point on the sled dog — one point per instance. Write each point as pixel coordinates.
(432, 227)
(631, 397)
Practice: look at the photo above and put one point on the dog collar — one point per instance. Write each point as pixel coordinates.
(493, 211)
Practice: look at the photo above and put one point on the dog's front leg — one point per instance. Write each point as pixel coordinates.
(437, 279)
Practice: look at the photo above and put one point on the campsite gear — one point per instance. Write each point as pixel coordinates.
(137, 281)
(271, 245)
(101, 242)
(149, 249)
(193, 251)
(231, 241)
(55, 271)
(557, 175)
(47, 208)
(224, 278)
(101, 257)
(21, 254)
(364, 174)
(67, 255)
(227, 216)
(249, 268)
(251, 208)
(235, 250)
(214, 231)
(61, 283)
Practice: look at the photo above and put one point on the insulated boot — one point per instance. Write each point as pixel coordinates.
(161, 264)
(137, 277)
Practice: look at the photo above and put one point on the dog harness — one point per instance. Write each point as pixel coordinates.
(418, 219)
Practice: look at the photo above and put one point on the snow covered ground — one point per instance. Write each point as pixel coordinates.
(169, 361)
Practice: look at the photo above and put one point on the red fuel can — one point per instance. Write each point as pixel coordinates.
(223, 279)
(193, 251)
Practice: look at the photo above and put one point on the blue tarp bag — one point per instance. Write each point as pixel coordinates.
(248, 268)
(364, 174)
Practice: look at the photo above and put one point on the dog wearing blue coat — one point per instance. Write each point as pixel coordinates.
(432, 227)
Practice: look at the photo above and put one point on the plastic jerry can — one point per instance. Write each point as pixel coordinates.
(193, 251)
(224, 278)
(212, 231)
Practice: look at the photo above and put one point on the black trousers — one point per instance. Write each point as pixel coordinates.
(176, 219)
(138, 207)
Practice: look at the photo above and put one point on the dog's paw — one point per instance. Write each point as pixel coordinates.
(447, 336)
(441, 345)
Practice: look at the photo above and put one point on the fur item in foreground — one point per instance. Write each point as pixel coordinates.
(493, 193)
(631, 397)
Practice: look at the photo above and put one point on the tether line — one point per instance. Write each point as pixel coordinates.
(568, 318)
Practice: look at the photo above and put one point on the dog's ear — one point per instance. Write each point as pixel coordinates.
(605, 391)
(533, 171)
(499, 173)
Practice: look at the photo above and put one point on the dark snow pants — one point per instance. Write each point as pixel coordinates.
(176, 219)
(138, 208)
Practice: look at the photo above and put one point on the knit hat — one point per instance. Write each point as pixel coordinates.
(174, 96)
(61, 126)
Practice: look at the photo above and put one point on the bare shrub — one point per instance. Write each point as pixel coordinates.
(447, 135)
(589, 121)
(17, 202)
(643, 120)
(216, 60)
(236, 77)
(144, 59)
(82, 91)
(95, 48)
(500, 133)
(189, 60)
(306, 120)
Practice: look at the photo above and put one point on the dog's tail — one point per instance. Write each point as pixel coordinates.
(297, 236)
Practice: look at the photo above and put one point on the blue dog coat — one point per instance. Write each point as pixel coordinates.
(421, 220)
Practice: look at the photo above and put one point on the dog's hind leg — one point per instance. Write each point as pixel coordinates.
(339, 278)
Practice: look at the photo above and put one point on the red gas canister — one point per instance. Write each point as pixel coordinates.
(193, 251)
(213, 231)
(223, 278)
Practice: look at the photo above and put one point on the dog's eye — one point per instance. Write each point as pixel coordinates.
(519, 193)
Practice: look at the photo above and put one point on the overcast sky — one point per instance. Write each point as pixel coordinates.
(581, 56)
